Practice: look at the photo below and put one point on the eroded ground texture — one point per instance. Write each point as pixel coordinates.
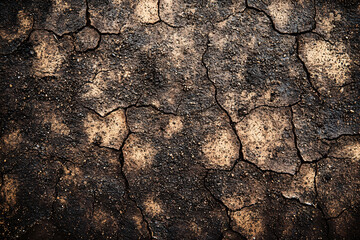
(178, 119)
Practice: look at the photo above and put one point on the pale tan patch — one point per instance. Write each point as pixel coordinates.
(156, 103)
(195, 228)
(251, 98)
(95, 91)
(61, 5)
(170, 98)
(233, 202)
(221, 149)
(303, 185)
(252, 195)
(153, 207)
(12, 140)
(47, 115)
(9, 191)
(182, 41)
(351, 151)
(268, 141)
(249, 223)
(109, 131)
(25, 22)
(280, 11)
(221, 41)
(138, 154)
(167, 8)
(102, 218)
(175, 126)
(57, 125)
(138, 222)
(326, 23)
(117, 2)
(49, 57)
(328, 64)
(87, 38)
(230, 100)
(147, 11)
(218, 40)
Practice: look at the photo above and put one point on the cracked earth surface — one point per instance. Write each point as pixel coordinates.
(177, 119)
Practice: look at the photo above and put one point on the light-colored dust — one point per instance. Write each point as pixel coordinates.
(95, 90)
(175, 126)
(249, 223)
(25, 22)
(57, 125)
(181, 41)
(328, 64)
(268, 141)
(221, 149)
(195, 228)
(155, 102)
(303, 185)
(117, 2)
(249, 193)
(218, 40)
(171, 96)
(280, 11)
(109, 131)
(9, 192)
(250, 99)
(153, 207)
(103, 218)
(61, 5)
(11, 141)
(147, 11)
(351, 150)
(87, 38)
(139, 222)
(166, 10)
(234, 202)
(138, 154)
(326, 22)
(307, 175)
(229, 100)
(49, 57)
(47, 115)
(232, 98)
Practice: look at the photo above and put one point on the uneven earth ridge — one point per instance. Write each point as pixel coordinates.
(179, 119)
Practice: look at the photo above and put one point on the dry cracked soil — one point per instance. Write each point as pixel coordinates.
(179, 119)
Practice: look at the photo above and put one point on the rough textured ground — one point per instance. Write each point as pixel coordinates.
(178, 119)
